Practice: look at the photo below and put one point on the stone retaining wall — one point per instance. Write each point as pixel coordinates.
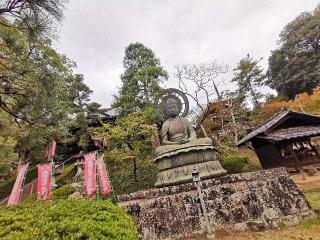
(255, 201)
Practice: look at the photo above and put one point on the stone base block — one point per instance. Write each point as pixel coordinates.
(183, 174)
(247, 201)
(176, 168)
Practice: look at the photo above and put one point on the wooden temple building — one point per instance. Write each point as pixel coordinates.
(285, 140)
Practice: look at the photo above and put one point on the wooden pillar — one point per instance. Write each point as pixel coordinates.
(297, 161)
(314, 148)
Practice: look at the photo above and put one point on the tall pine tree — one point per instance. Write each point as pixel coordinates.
(249, 77)
(141, 79)
(295, 66)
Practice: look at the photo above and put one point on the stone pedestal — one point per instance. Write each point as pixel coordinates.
(175, 163)
(247, 201)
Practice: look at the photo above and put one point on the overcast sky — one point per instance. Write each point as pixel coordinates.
(95, 33)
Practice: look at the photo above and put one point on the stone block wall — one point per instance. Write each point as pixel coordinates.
(255, 201)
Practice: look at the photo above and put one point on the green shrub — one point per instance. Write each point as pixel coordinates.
(69, 171)
(62, 192)
(123, 180)
(7, 154)
(234, 162)
(66, 219)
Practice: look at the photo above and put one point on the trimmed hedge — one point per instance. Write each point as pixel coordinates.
(66, 219)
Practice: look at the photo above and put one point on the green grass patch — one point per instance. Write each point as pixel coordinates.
(311, 224)
(314, 199)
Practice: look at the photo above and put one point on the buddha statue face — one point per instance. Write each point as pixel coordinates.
(172, 108)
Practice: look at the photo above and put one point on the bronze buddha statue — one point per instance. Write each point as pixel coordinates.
(181, 151)
(176, 130)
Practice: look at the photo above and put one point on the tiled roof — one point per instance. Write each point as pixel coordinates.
(291, 133)
(271, 122)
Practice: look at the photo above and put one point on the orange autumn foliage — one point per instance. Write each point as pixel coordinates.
(302, 103)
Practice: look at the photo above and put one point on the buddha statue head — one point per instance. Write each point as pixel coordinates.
(172, 107)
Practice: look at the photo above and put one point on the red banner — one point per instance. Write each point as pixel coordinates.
(90, 185)
(15, 193)
(50, 150)
(44, 181)
(104, 183)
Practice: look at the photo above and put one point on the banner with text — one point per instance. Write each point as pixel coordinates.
(50, 150)
(90, 185)
(104, 183)
(44, 186)
(15, 193)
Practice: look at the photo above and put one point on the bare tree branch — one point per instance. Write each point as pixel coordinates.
(198, 81)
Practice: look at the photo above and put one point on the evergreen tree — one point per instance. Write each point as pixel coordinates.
(249, 77)
(79, 92)
(141, 78)
(39, 17)
(39, 93)
(295, 66)
(34, 79)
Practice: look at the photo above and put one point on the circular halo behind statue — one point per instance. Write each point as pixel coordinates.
(161, 102)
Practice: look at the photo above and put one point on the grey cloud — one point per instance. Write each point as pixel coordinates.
(95, 34)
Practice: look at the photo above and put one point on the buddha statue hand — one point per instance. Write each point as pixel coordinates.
(182, 141)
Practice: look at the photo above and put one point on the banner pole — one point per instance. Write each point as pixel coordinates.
(51, 153)
(114, 196)
(53, 185)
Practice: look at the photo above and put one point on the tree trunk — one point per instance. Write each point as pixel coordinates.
(135, 167)
(255, 99)
(216, 90)
(203, 131)
(146, 93)
(254, 95)
(135, 170)
(234, 124)
(222, 126)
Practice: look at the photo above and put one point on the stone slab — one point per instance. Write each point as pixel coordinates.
(246, 201)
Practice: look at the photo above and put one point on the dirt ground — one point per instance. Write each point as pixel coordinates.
(311, 183)
(308, 230)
